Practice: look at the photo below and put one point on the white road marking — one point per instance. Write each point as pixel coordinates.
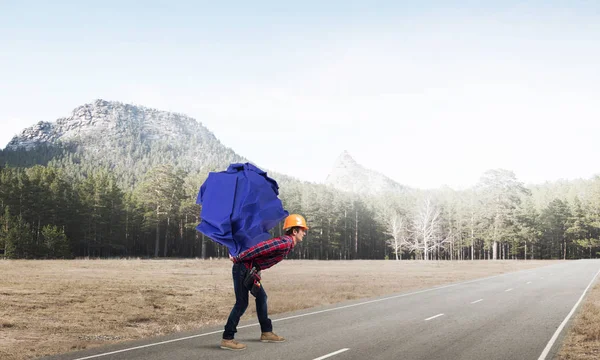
(153, 344)
(332, 354)
(529, 282)
(302, 315)
(433, 317)
(476, 301)
(562, 325)
(508, 289)
(542, 278)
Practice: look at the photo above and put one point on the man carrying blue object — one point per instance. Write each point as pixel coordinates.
(239, 207)
(246, 278)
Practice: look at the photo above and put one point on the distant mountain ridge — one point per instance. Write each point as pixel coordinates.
(128, 139)
(348, 175)
(131, 139)
(91, 122)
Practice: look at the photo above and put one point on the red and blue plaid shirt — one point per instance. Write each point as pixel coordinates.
(266, 253)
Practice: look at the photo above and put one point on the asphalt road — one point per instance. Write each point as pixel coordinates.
(521, 315)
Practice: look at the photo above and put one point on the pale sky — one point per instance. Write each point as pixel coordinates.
(427, 94)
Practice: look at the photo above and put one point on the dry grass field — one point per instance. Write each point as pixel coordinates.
(49, 307)
(583, 338)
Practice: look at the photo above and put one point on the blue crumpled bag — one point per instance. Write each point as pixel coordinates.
(239, 207)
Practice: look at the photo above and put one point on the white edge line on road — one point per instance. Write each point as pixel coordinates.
(433, 317)
(476, 301)
(149, 345)
(307, 314)
(332, 354)
(562, 325)
(508, 289)
(529, 282)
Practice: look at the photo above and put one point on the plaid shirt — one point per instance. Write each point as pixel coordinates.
(266, 253)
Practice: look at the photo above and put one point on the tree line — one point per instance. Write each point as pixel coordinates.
(48, 211)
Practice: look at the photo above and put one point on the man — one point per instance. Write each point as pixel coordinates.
(261, 256)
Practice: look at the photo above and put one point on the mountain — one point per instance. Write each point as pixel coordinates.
(98, 122)
(130, 140)
(348, 175)
(127, 139)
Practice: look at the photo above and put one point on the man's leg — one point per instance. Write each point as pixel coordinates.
(266, 327)
(241, 303)
(262, 311)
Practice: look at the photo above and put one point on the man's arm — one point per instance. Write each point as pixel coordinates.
(269, 247)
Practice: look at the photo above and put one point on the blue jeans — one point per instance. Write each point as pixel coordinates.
(238, 272)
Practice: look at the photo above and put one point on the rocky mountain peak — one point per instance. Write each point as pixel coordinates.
(101, 119)
(348, 175)
(345, 159)
(129, 139)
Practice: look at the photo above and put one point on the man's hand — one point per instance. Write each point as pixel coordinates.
(232, 258)
(256, 275)
(255, 290)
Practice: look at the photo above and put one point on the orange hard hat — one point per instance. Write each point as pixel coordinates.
(294, 220)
